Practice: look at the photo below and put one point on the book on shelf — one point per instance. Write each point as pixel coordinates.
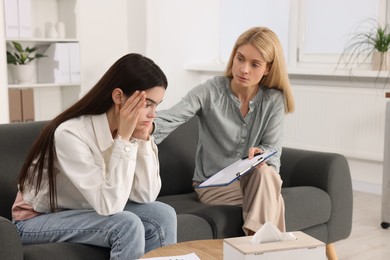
(24, 12)
(74, 62)
(62, 64)
(21, 105)
(28, 113)
(11, 18)
(15, 105)
(18, 21)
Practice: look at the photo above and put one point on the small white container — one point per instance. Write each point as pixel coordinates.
(51, 32)
(60, 27)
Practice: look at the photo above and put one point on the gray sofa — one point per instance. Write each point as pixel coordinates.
(316, 188)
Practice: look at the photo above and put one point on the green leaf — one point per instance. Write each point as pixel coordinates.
(18, 46)
(22, 56)
(10, 58)
(38, 55)
(372, 37)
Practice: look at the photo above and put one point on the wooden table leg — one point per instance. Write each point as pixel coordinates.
(331, 252)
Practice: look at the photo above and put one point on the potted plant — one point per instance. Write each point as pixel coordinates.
(369, 45)
(21, 58)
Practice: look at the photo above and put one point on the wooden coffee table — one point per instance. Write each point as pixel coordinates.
(211, 249)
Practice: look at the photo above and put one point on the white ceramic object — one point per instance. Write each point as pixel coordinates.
(24, 74)
(60, 27)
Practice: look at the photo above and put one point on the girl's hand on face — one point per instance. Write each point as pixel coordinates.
(252, 152)
(129, 114)
(143, 133)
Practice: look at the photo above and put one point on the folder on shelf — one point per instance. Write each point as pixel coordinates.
(24, 11)
(74, 62)
(55, 68)
(11, 18)
(28, 113)
(235, 170)
(15, 105)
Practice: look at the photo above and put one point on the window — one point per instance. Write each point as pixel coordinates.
(326, 26)
(238, 16)
(312, 32)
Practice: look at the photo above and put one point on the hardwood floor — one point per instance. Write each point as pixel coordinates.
(367, 240)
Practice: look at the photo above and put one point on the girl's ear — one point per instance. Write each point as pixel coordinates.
(117, 96)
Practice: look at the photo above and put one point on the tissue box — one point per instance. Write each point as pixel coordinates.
(304, 247)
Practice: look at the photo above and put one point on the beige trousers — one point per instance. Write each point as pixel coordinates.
(259, 194)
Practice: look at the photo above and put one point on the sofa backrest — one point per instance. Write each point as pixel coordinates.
(177, 159)
(176, 152)
(176, 155)
(15, 142)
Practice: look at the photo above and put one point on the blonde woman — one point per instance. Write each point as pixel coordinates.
(240, 114)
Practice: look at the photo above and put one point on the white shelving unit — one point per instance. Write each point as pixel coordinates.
(49, 98)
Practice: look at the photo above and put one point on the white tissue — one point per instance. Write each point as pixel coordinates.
(270, 233)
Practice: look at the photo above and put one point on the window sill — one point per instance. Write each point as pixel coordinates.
(358, 77)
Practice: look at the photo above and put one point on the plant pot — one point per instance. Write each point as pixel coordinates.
(380, 60)
(24, 74)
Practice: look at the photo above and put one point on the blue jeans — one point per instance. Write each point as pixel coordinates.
(130, 233)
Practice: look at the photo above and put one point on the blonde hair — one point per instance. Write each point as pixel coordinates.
(268, 44)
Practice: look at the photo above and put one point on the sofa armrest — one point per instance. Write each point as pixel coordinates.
(10, 244)
(329, 172)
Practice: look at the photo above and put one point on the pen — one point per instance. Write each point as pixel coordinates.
(239, 174)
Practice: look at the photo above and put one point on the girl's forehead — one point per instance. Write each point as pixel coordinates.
(155, 94)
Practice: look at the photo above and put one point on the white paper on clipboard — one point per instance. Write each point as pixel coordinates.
(232, 172)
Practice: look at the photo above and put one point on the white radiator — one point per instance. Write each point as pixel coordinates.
(344, 120)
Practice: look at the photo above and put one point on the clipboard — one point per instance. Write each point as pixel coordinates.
(235, 170)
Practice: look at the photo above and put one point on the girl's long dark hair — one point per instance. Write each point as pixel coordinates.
(130, 73)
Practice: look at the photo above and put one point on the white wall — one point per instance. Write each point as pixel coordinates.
(103, 33)
(136, 21)
(171, 32)
(179, 32)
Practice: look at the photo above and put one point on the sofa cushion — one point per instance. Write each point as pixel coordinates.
(309, 203)
(10, 244)
(225, 221)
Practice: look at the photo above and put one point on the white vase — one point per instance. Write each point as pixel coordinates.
(51, 32)
(380, 60)
(60, 27)
(24, 74)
